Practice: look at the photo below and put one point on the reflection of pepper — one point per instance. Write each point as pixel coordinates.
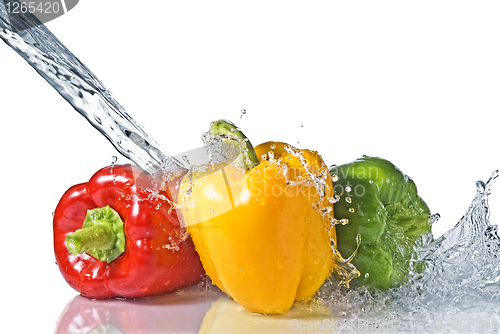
(176, 312)
(157, 255)
(225, 316)
(383, 207)
(258, 233)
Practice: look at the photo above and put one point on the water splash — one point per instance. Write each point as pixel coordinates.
(223, 150)
(315, 174)
(459, 291)
(464, 264)
(81, 88)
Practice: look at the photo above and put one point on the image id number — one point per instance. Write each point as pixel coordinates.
(33, 7)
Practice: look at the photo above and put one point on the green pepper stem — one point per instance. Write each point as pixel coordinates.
(99, 236)
(229, 130)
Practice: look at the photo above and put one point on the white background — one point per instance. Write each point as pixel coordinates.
(416, 83)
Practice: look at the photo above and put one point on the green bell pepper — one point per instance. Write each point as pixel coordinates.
(381, 204)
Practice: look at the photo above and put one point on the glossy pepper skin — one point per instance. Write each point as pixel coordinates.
(260, 239)
(158, 256)
(383, 207)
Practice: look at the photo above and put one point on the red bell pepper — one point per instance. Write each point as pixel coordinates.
(131, 244)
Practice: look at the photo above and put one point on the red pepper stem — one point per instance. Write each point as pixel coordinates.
(99, 236)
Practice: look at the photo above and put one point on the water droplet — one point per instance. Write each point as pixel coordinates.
(343, 221)
(273, 146)
(434, 218)
(370, 181)
(243, 111)
(335, 178)
(351, 210)
(348, 200)
(367, 275)
(144, 289)
(348, 189)
(301, 125)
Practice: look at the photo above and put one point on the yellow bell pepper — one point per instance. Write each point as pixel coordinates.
(264, 235)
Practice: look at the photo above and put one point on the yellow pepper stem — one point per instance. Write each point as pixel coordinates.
(227, 130)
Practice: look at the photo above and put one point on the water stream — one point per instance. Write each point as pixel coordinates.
(81, 88)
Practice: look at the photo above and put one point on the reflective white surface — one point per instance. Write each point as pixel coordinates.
(413, 83)
(187, 311)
